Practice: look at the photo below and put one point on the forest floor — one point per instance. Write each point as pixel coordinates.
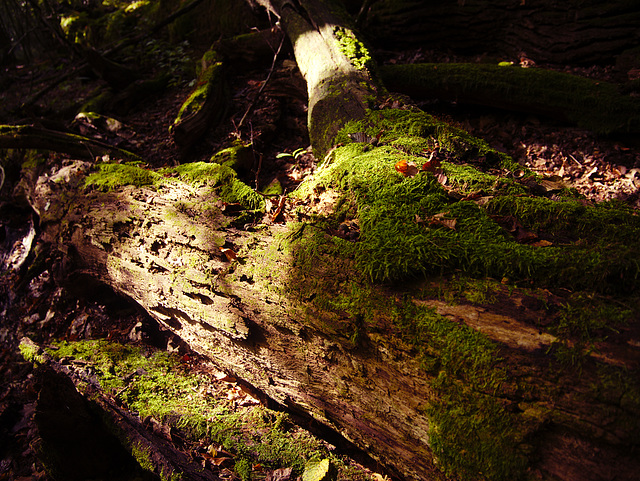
(35, 303)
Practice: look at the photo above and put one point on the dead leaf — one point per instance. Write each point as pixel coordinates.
(282, 474)
(542, 243)
(279, 209)
(379, 477)
(439, 219)
(402, 166)
(431, 165)
(229, 254)
(222, 376)
(408, 169)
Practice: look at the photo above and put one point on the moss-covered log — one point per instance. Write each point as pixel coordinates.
(434, 302)
(98, 437)
(596, 105)
(414, 372)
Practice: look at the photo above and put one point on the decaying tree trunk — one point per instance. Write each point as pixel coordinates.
(232, 292)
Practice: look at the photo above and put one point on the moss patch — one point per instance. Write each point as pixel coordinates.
(585, 251)
(223, 179)
(208, 81)
(591, 247)
(112, 176)
(353, 48)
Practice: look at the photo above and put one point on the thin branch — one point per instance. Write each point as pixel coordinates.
(264, 84)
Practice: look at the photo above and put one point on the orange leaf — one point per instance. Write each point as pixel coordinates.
(402, 167)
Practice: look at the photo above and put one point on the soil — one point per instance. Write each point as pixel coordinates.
(35, 302)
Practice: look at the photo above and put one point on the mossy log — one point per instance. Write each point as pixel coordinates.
(206, 106)
(545, 31)
(596, 105)
(400, 371)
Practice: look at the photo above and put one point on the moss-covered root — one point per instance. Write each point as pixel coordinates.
(207, 104)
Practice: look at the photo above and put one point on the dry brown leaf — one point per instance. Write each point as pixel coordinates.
(229, 254)
(542, 243)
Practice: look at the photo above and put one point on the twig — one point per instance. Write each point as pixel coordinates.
(264, 84)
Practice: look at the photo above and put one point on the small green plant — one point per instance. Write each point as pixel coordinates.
(296, 154)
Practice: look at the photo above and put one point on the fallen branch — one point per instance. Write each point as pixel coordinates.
(31, 137)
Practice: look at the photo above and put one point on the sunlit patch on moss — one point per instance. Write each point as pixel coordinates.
(112, 176)
(223, 179)
(353, 48)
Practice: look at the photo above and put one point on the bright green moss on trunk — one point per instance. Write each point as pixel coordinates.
(221, 178)
(589, 246)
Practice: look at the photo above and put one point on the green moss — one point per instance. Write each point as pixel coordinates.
(223, 179)
(238, 157)
(592, 247)
(274, 188)
(31, 353)
(471, 431)
(349, 288)
(112, 176)
(208, 80)
(143, 457)
(353, 48)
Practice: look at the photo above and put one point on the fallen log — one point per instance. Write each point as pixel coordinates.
(93, 409)
(596, 105)
(337, 316)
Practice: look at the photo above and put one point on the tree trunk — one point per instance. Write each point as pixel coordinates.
(596, 105)
(553, 32)
(32, 137)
